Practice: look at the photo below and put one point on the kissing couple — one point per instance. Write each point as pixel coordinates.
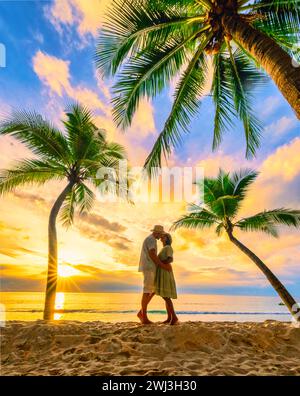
(158, 274)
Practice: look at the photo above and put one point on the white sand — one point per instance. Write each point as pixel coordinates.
(191, 348)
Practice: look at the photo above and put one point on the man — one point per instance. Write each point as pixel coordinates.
(148, 263)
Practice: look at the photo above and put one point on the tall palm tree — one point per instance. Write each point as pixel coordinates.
(146, 43)
(222, 198)
(74, 156)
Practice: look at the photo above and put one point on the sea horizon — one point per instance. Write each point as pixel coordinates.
(123, 307)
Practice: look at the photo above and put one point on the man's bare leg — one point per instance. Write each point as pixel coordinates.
(142, 314)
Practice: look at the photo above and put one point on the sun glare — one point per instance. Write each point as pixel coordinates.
(66, 271)
(59, 304)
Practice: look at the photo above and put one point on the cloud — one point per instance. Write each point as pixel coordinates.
(280, 127)
(143, 122)
(102, 222)
(284, 163)
(86, 15)
(55, 75)
(38, 37)
(111, 240)
(53, 72)
(20, 283)
(189, 239)
(62, 11)
(90, 15)
(269, 105)
(12, 241)
(100, 229)
(213, 162)
(35, 199)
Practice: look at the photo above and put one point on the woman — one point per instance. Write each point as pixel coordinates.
(165, 285)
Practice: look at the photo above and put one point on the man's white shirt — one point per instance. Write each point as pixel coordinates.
(146, 264)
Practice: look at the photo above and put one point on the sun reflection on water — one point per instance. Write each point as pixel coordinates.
(59, 304)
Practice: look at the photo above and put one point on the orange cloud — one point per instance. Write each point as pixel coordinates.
(86, 15)
(284, 163)
(53, 72)
(143, 122)
(91, 14)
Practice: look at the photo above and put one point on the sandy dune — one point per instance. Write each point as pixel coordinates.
(191, 348)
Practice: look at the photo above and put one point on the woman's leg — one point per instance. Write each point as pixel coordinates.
(169, 318)
(171, 310)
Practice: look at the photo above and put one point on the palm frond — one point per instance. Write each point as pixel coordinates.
(280, 13)
(115, 150)
(222, 97)
(283, 216)
(84, 197)
(135, 25)
(242, 100)
(268, 220)
(285, 35)
(146, 74)
(220, 197)
(66, 214)
(83, 135)
(219, 229)
(256, 223)
(29, 172)
(242, 180)
(186, 104)
(40, 136)
(199, 220)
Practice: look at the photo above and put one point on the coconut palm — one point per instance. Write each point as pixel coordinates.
(75, 156)
(147, 43)
(222, 198)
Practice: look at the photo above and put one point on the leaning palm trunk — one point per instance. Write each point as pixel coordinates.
(52, 255)
(276, 62)
(275, 282)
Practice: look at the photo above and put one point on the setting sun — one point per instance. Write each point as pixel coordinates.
(66, 271)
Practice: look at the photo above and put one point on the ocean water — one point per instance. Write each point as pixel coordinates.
(121, 307)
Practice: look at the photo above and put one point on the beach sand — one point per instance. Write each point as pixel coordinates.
(190, 348)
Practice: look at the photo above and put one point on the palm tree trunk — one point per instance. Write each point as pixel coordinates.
(52, 255)
(275, 282)
(276, 62)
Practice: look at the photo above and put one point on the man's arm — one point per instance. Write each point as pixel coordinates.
(157, 261)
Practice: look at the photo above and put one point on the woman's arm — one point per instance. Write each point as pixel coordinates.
(158, 262)
(167, 264)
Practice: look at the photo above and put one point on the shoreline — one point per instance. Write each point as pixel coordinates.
(127, 348)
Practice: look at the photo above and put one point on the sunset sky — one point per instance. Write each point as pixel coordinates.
(49, 63)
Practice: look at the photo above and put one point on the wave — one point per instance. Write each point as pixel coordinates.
(159, 312)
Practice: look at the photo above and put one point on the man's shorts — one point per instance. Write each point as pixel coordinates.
(149, 281)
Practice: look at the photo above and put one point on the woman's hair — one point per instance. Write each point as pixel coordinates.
(168, 239)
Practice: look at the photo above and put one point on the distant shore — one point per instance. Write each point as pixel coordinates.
(190, 348)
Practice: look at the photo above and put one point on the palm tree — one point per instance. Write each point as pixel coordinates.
(146, 43)
(74, 156)
(222, 198)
